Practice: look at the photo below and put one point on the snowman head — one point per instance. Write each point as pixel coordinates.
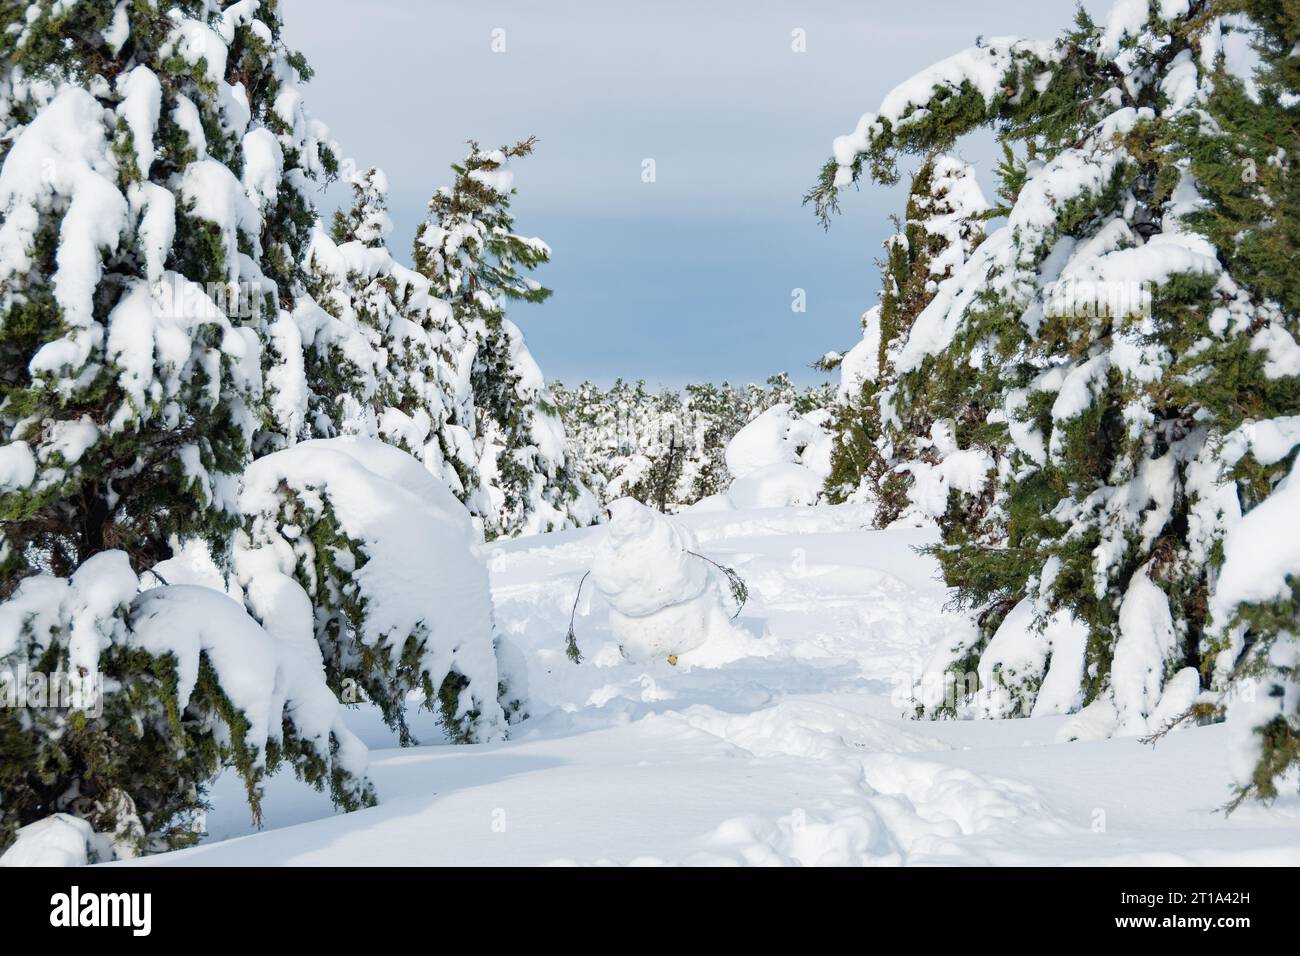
(629, 520)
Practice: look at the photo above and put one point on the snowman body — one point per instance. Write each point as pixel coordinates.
(663, 600)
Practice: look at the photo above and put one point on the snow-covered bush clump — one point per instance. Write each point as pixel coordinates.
(386, 554)
(779, 459)
(664, 599)
(121, 707)
(1100, 391)
(471, 256)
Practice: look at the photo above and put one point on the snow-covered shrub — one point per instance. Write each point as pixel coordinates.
(1256, 596)
(398, 593)
(122, 707)
(472, 257)
(1121, 357)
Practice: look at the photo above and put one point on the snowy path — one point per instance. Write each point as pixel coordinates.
(792, 752)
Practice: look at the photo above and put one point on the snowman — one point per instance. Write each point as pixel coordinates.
(663, 600)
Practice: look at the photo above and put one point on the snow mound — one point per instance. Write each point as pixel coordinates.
(777, 486)
(779, 435)
(58, 840)
(856, 836)
(780, 459)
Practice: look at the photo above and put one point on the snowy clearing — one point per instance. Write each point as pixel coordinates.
(794, 751)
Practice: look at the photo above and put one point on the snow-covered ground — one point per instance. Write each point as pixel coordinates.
(794, 751)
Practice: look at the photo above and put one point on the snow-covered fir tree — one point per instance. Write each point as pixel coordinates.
(377, 358)
(476, 262)
(717, 419)
(896, 436)
(153, 212)
(1118, 364)
(1241, 151)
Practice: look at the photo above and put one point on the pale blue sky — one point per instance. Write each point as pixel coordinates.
(688, 278)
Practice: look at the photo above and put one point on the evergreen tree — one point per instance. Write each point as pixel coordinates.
(367, 220)
(474, 260)
(1119, 356)
(659, 484)
(895, 433)
(716, 422)
(377, 359)
(156, 167)
(1242, 153)
(605, 434)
